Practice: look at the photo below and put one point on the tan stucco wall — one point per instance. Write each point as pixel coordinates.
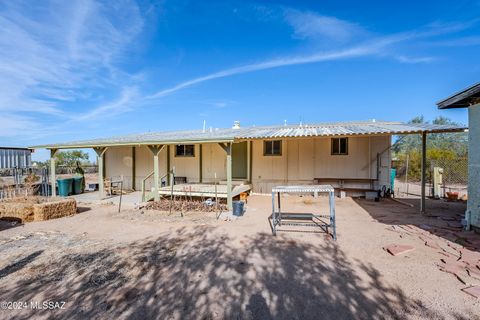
(301, 161)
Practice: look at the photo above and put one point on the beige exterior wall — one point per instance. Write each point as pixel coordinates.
(186, 166)
(301, 161)
(214, 160)
(119, 162)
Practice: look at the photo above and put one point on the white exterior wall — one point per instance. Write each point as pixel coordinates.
(473, 203)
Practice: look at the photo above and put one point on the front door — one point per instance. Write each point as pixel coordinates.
(239, 160)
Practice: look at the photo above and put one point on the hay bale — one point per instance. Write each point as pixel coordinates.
(17, 211)
(55, 209)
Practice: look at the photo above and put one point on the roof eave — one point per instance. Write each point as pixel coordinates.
(126, 144)
(460, 99)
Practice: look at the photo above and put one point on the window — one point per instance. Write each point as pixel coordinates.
(339, 146)
(272, 148)
(185, 150)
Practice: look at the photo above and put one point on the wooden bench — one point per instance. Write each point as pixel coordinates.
(343, 181)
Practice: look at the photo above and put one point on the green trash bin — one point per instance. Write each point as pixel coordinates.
(77, 185)
(393, 174)
(65, 187)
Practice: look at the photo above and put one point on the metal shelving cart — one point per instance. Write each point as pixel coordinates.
(298, 219)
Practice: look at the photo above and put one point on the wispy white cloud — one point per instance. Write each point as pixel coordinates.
(52, 52)
(307, 24)
(374, 46)
(68, 52)
(11, 125)
(270, 64)
(122, 104)
(460, 42)
(407, 59)
(220, 104)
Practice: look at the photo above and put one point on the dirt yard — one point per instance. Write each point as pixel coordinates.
(141, 264)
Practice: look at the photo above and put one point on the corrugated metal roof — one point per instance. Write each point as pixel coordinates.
(343, 129)
(264, 132)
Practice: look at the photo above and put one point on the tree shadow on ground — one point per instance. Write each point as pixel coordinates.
(204, 274)
(19, 264)
(442, 218)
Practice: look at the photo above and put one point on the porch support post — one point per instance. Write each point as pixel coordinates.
(424, 167)
(229, 176)
(168, 166)
(156, 170)
(200, 163)
(134, 168)
(53, 179)
(249, 161)
(227, 147)
(100, 151)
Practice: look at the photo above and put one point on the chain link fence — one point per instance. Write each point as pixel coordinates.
(408, 175)
(21, 181)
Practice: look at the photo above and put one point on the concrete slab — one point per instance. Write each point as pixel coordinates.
(129, 199)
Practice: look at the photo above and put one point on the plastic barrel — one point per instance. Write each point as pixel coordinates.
(65, 187)
(238, 208)
(77, 185)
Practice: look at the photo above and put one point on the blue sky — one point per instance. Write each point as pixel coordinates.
(82, 69)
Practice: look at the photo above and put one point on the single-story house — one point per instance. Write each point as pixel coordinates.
(353, 156)
(470, 98)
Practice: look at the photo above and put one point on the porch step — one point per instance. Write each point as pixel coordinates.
(235, 182)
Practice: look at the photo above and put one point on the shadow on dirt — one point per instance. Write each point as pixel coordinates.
(9, 222)
(442, 218)
(202, 275)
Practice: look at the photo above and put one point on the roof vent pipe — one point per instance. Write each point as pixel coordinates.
(236, 125)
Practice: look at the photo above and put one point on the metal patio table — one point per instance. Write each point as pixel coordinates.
(292, 219)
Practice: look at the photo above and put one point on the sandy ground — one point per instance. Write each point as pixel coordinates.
(140, 264)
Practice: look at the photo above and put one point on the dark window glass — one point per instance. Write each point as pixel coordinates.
(185, 150)
(339, 146)
(272, 148)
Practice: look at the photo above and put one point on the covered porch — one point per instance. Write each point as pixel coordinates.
(153, 171)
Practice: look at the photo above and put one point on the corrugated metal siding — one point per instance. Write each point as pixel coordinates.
(219, 135)
(15, 158)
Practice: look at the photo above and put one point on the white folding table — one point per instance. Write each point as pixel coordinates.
(292, 219)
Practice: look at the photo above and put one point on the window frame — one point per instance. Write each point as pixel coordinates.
(272, 154)
(184, 155)
(339, 153)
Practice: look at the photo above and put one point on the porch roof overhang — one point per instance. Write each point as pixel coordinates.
(462, 99)
(364, 128)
